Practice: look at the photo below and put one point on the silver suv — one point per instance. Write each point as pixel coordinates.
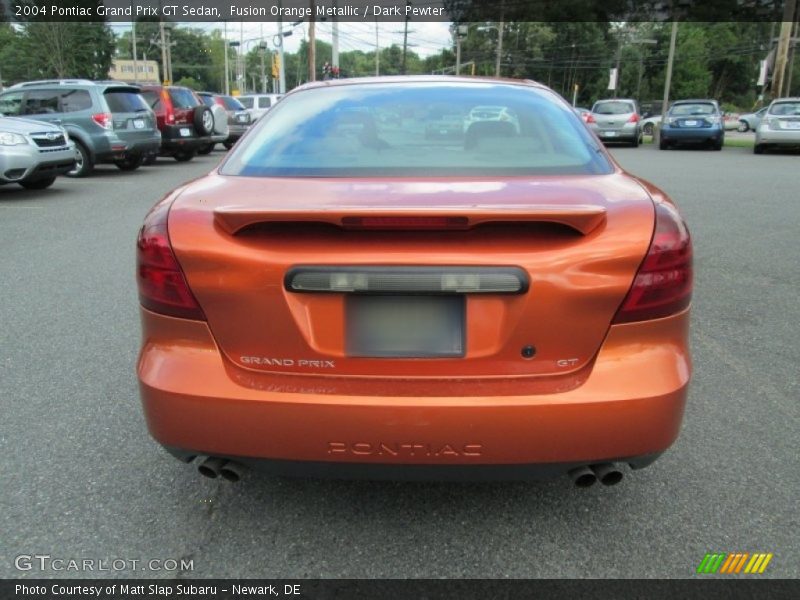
(109, 121)
(32, 153)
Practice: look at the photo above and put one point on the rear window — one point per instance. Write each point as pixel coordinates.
(231, 103)
(613, 108)
(264, 102)
(182, 98)
(125, 102)
(693, 109)
(343, 131)
(785, 109)
(207, 100)
(246, 101)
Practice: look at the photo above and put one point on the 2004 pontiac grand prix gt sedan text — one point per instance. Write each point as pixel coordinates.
(346, 296)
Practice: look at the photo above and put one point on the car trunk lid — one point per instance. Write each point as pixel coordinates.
(576, 243)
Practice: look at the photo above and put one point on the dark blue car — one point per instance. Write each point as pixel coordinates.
(693, 122)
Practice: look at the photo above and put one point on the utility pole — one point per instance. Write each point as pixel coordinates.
(461, 32)
(135, 61)
(499, 41)
(335, 42)
(377, 51)
(169, 52)
(227, 87)
(782, 53)
(668, 81)
(405, 43)
(164, 74)
(312, 43)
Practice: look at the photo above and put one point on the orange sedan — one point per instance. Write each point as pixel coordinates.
(349, 295)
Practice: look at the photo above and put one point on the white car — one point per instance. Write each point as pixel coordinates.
(33, 153)
(258, 104)
(482, 114)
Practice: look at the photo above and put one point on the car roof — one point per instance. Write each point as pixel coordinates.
(411, 79)
(694, 100)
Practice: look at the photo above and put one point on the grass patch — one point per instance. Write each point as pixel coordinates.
(740, 142)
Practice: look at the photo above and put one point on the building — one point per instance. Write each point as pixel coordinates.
(123, 70)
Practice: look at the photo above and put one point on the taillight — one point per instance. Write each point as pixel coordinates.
(590, 118)
(162, 285)
(663, 284)
(169, 110)
(103, 119)
(634, 118)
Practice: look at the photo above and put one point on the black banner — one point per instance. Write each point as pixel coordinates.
(429, 589)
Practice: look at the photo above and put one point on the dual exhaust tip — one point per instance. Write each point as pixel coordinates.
(605, 473)
(584, 477)
(213, 467)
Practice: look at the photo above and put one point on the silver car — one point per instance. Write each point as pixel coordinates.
(616, 120)
(33, 153)
(780, 126)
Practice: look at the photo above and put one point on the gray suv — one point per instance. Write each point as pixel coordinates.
(108, 121)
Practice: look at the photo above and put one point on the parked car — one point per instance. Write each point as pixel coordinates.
(33, 153)
(750, 121)
(616, 120)
(649, 124)
(108, 122)
(780, 127)
(372, 304)
(445, 127)
(186, 124)
(491, 114)
(583, 113)
(221, 129)
(258, 104)
(693, 122)
(237, 119)
(730, 120)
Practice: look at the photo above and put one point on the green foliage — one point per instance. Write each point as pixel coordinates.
(56, 49)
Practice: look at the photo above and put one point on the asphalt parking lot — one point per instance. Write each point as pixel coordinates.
(82, 478)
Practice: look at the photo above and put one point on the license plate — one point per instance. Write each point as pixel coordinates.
(138, 123)
(185, 132)
(242, 118)
(690, 123)
(405, 326)
(610, 133)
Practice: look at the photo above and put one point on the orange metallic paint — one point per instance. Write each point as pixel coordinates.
(592, 392)
(629, 402)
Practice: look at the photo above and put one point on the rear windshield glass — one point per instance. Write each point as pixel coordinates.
(121, 102)
(613, 108)
(231, 103)
(247, 102)
(376, 130)
(700, 108)
(207, 100)
(182, 98)
(785, 109)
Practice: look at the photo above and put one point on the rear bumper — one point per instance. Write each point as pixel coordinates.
(172, 141)
(194, 404)
(690, 135)
(778, 138)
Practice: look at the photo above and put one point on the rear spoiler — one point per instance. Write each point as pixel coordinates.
(583, 218)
